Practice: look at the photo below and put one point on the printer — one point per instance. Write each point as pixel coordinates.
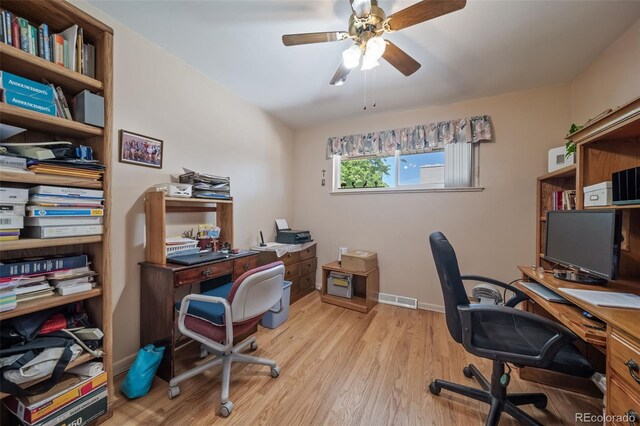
(286, 235)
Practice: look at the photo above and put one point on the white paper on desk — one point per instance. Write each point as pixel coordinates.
(607, 299)
(282, 224)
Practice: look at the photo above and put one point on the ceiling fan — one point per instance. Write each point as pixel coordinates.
(367, 24)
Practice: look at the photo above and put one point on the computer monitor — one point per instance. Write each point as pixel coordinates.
(585, 241)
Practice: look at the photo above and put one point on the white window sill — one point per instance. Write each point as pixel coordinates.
(403, 190)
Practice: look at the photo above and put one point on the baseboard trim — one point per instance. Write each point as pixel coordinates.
(430, 307)
(124, 364)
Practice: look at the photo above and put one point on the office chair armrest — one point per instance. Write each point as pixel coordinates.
(520, 295)
(228, 321)
(543, 359)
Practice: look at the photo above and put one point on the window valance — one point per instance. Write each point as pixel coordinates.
(411, 140)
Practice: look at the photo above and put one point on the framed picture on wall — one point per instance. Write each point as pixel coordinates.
(141, 150)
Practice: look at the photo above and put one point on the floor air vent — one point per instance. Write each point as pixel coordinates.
(392, 299)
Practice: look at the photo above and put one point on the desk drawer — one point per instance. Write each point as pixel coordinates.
(308, 266)
(623, 404)
(240, 266)
(291, 257)
(307, 282)
(624, 356)
(308, 253)
(203, 273)
(292, 271)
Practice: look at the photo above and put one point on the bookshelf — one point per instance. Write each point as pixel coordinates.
(603, 147)
(59, 15)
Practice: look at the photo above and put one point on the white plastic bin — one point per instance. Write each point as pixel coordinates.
(273, 320)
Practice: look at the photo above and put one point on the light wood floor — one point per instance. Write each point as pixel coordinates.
(340, 367)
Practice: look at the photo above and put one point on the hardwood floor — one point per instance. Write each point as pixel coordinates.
(341, 367)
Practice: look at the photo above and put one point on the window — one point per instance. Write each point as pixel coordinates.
(454, 166)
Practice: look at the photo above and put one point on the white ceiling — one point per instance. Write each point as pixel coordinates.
(489, 47)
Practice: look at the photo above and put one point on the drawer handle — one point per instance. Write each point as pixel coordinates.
(633, 417)
(207, 273)
(633, 368)
(245, 267)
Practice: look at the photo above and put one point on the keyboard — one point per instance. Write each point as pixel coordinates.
(544, 292)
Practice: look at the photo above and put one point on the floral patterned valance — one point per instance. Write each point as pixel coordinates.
(411, 140)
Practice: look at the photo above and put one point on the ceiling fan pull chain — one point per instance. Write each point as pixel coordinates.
(374, 87)
(365, 91)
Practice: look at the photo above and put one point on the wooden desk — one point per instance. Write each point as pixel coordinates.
(620, 342)
(161, 286)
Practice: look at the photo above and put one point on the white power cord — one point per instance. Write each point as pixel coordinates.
(97, 353)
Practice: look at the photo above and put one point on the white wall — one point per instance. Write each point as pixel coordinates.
(204, 127)
(613, 79)
(492, 231)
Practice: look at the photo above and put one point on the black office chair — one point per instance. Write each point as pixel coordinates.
(503, 334)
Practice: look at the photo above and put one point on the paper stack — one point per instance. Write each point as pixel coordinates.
(72, 281)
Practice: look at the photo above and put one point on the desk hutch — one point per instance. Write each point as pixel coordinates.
(605, 146)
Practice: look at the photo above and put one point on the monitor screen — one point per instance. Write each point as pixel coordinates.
(585, 240)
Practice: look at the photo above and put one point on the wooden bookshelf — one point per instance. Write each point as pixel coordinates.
(33, 120)
(46, 179)
(60, 15)
(32, 243)
(29, 66)
(35, 305)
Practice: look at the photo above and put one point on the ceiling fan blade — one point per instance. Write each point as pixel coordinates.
(340, 76)
(361, 8)
(308, 38)
(423, 11)
(400, 60)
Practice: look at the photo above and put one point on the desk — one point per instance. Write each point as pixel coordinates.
(162, 285)
(620, 342)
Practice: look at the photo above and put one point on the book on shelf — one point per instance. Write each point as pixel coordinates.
(564, 200)
(65, 191)
(15, 268)
(11, 222)
(9, 162)
(63, 221)
(12, 209)
(13, 195)
(33, 287)
(63, 211)
(62, 231)
(68, 48)
(35, 408)
(34, 295)
(8, 300)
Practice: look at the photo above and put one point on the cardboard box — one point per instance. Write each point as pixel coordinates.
(359, 261)
(88, 108)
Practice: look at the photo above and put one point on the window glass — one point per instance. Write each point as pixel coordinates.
(422, 169)
(368, 173)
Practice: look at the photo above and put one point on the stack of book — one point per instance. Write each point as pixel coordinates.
(30, 288)
(12, 163)
(68, 48)
(71, 281)
(32, 279)
(12, 212)
(75, 400)
(207, 186)
(55, 212)
(7, 296)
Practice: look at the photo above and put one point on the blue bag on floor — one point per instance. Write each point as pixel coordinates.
(140, 376)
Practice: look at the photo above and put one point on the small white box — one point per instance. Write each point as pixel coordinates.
(558, 158)
(599, 194)
(181, 190)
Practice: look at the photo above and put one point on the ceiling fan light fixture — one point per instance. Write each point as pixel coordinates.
(375, 47)
(369, 63)
(351, 56)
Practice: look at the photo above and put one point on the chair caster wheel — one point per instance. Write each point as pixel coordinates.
(468, 373)
(275, 372)
(541, 404)
(226, 409)
(173, 392)
(434, 389)
(253, 346)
